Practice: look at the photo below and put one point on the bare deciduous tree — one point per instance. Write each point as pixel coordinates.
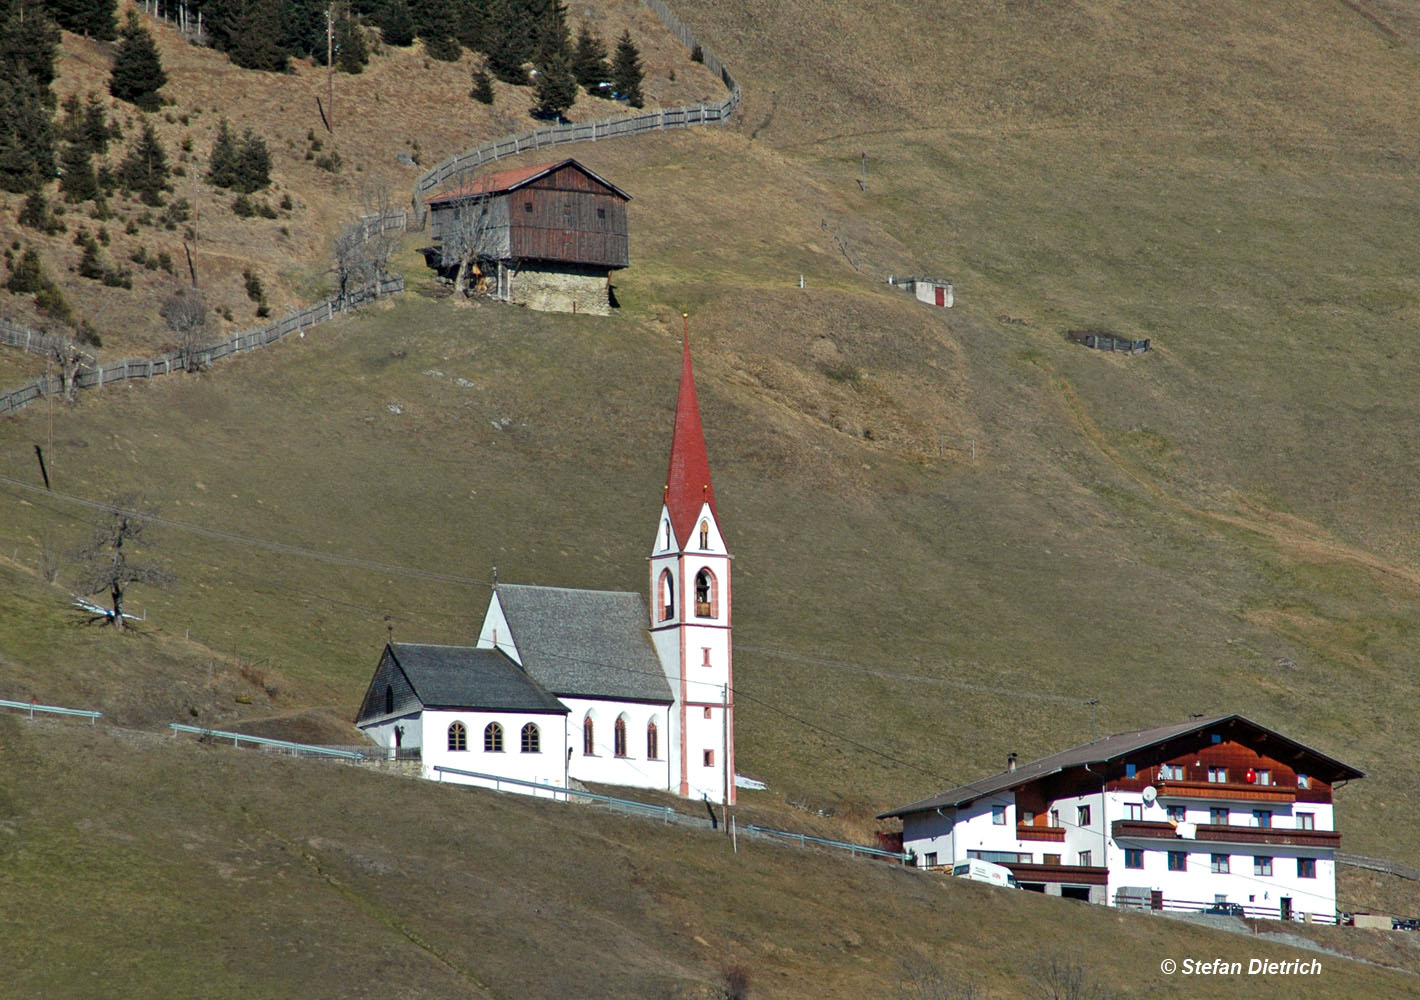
(106, 559)
(363, 249)
(923, 979)
(186, 315)
(1063, 977)
(464, 239)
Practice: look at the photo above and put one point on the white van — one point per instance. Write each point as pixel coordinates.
(985, 871)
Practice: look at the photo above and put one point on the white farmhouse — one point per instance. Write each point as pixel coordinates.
(1218, 813)
(582, 685)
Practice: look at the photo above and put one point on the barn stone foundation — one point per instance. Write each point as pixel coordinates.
(558, 288)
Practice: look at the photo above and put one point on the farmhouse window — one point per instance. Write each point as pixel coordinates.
(1171, 772)
(527, 206)
(1082, 815)
(1086, 859)
(1304, 781)
(1219, 864)
(1306, 821)
(493, 738)
(1176, 814)
(998, 815)
(601, 213)
(1262, 817)
(1218, 817)
(1178, 861)
(532, 739)
(1133, 857)
(1306, 868)
(1261, 865)
(1133, 810)
(1218, 775)
(1264, 776)
(458, 737)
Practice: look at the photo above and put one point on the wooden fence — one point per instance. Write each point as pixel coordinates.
(97, 376)
(33, 341)
(461, 164)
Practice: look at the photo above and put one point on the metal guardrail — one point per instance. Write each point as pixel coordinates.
(32, 708)
(665, 813)
(1379, 865)
(239, 738)
(804, 840)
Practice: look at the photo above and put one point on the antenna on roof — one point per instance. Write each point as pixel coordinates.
(389, 627)
(1094, 733)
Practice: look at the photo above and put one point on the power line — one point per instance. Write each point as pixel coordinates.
(253, 541)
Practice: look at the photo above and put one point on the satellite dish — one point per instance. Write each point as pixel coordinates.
(1150, 794)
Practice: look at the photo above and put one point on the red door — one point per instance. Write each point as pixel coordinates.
(941, 297)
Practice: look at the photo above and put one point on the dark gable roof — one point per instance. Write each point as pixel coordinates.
(465, 677)
(1111, 748)
(585, 643)
(504, 181)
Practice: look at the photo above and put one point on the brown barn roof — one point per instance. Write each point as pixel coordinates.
(1110, 748)
(503, 181)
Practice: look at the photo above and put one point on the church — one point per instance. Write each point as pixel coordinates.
(569, 685)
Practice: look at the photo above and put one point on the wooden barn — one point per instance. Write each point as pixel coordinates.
(546, 236)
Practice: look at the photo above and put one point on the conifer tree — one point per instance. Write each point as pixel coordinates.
(77, 182)
(144, 170)
(28, 43)
(26, 132)
(556, 87)
(351, 52)
(94, 18)
(589, 63)
(95, 127)
(550, 36)
(482, 87)
(253, 32)
(396, 24)
(253, 166)
(510, 41)
(626, 71)
(222, 163)
(137, 71)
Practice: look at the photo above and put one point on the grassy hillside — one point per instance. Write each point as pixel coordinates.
(952, 529)
(169, 868)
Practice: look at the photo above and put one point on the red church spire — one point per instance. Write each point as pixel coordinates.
(688, 483)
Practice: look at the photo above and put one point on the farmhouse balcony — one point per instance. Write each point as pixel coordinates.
(1055, 834)
(1074, 874)
(1232, 791)
(1214, 833)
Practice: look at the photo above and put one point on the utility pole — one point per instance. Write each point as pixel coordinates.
(330, 58)
(1093, 703)
(725, 751)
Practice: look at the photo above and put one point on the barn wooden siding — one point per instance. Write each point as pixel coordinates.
(568, 216)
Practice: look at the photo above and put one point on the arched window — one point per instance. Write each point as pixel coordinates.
(389, 700)
(653, 749)
(493, 738)
(620, 746)
(532, 739)
(666, 596)
(704, 534)
(589, 741)
(458, 736)
(705, 594)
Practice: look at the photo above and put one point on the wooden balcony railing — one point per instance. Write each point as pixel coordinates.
(1055, 834)
(1231, 790)
(1213, 833)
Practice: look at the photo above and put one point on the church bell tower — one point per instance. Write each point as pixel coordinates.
(690, 610)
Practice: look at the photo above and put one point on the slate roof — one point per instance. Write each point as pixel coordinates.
(501, 181)
(585, 643)
(466, 677)
(688, 485)
(1107, 749)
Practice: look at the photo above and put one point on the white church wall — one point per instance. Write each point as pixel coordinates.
(545, 767)
(383, 733)
(603, 766)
